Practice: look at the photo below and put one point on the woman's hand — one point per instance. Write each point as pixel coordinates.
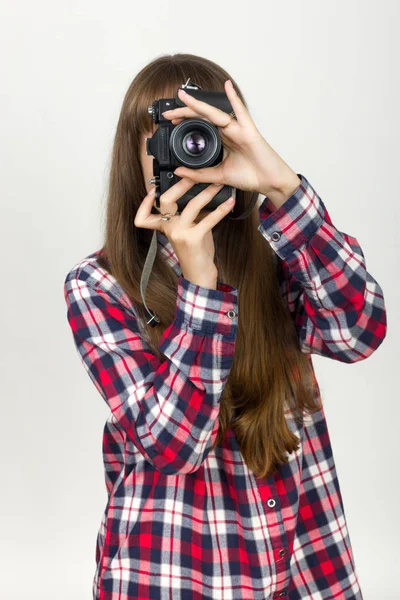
(193, 243)
(249, 162)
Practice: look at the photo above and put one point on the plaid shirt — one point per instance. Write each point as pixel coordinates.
(183, 522)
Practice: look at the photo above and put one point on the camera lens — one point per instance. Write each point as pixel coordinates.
(195, 143)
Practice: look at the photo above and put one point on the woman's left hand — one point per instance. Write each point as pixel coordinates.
(249, 162)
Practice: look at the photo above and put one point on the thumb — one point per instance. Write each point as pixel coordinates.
(208, 175)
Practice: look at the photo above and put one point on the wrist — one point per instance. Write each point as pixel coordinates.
(283, 190)
(207, 281)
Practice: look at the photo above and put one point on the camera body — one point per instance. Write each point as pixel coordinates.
(194, 143)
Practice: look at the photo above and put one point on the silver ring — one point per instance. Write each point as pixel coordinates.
(232, 116)
(168, 216)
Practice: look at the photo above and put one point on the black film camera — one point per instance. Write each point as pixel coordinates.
(193, 143)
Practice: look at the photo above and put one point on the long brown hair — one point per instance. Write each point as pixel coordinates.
(269, 372)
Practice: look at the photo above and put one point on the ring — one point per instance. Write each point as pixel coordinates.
(168, 216)
(232, 116)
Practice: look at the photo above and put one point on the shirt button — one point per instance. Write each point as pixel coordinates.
(282, 552)
(275, 237)
(283, 593)
(271, 502)
(231, 314)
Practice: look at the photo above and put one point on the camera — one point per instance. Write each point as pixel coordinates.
(194, 143)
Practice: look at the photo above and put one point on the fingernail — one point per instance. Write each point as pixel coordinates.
(230, 201)
(182, 91)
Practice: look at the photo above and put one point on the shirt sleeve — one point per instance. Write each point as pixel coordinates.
(337, 306)
(169, 409)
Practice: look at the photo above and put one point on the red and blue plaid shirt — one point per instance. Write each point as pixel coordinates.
(183, 522)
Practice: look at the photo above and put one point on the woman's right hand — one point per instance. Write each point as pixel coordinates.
(192, 242)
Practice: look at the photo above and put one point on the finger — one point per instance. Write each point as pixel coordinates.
(177, 115)
(145, 206)
(207, 175)
(215, 216)
(241, 112)
(177, 121)
(181, 112)
(218, 117)
(144, 218)
(195, 205)
(169, 198)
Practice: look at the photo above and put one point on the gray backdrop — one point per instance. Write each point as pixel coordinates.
(322, 83)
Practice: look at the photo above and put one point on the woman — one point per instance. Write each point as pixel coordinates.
(218, 464)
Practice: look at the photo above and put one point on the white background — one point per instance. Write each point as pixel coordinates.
(322, 83)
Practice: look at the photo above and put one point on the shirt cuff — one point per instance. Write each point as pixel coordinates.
(292, 225)
(207, 310)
